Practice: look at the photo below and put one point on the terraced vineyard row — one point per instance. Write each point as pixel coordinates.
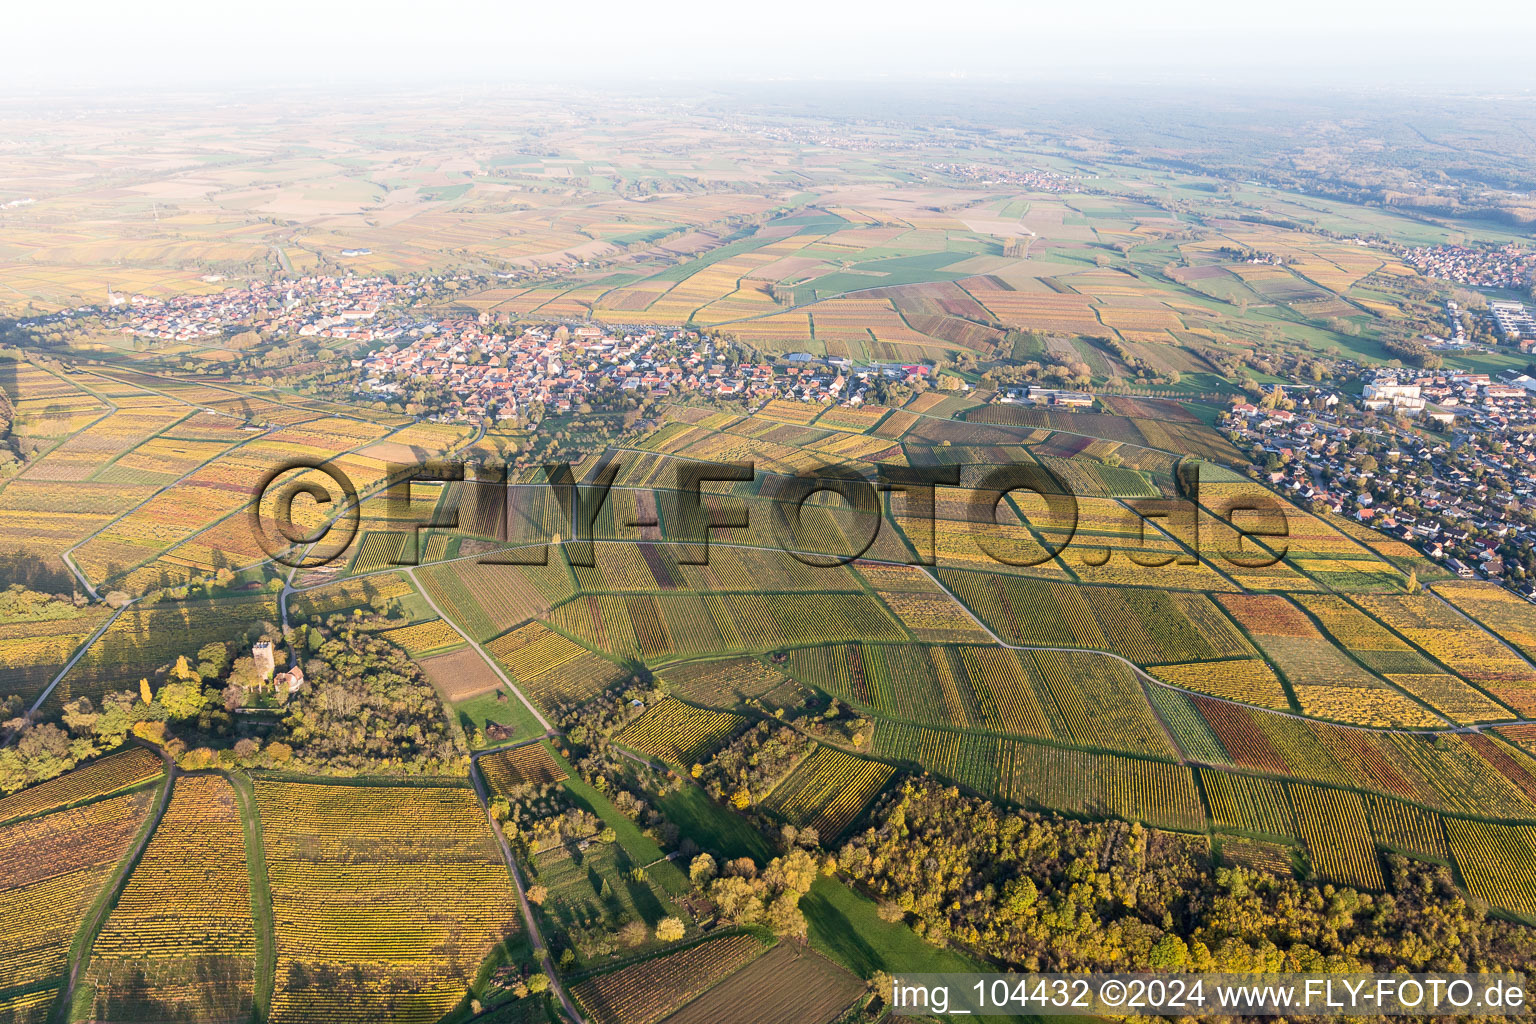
(51, 869)
(183, 922)
(647, 991)
(828, 790)
(369, 889)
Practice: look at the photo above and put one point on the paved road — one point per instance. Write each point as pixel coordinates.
(535, 937)
(79, 653)
(549, 730)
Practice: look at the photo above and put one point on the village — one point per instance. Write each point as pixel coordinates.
(1506, 266)
(329, 307)
(561, 368)
(1464, 496)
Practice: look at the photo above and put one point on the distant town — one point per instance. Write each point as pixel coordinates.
(1507, 266)
(1467, 501)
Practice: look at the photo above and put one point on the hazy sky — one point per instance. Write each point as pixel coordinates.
(94, 43)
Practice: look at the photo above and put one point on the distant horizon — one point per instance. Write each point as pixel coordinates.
(173, 44)
(917, 98)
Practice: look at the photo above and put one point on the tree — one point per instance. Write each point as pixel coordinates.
(669, 929)
(537, 894)
(794, 872)
(702, 871)
(784, 916)
(634, 933)
(212, 660)
(1169, 953)
(183, 699)
(181, 672)
(244, 673)
(80, 716)
(737, 899)
(538, 983)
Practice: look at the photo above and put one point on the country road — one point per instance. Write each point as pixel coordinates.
(549, 730)
(535, 937)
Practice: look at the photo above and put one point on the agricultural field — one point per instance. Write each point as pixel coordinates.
(459, 675)
(181, 937)
(783, 986)
(367, 893)
(53, 868)
(646, 992)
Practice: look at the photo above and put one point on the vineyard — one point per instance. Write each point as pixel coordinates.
(1405, 827)
(520, 766)
(51, 869)
(1494, 861)
(679, 733)
(487, 598)
(551, 668)
(1334, 827)
(726, 682)
(786, 985)
(1450, 639)
(1327, 683)
(660, 626)
(32, 652)
(1034, 775)
(647, 991)
(1495, 607)
(98, 778)
(1246, 803)
(378, 550)
(422, 638)
(183, 923)
(368, 886)
(828, 790)
(1074, 697)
